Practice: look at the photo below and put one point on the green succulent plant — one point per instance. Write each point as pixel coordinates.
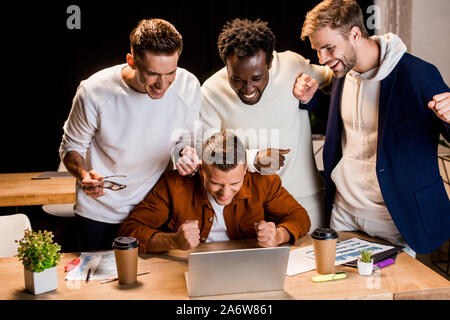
(365, 255)
(37, 251)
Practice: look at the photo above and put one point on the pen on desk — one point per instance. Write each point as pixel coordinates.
(384, 263)
(115, 279)
(88, 275)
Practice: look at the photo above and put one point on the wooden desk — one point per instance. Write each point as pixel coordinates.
(17, 189)
(406, 279)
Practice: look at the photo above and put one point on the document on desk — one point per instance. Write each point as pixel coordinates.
(299, 262)
(303, 260)
(102, 265)
(52, 174)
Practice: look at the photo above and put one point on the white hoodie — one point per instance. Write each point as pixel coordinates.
(358, 192)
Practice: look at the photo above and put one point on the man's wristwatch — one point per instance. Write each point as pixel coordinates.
(193, 172)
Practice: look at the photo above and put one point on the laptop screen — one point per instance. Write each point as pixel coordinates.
(237, 271)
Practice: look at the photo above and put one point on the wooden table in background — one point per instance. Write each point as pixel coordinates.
(406, 279)
(18, 189)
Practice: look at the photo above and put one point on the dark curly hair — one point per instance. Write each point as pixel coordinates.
(157, 36)
(244, 38)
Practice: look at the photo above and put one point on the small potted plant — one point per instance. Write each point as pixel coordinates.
(39, 256)
(365, 262)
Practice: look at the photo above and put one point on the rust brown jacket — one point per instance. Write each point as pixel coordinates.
(175, 199)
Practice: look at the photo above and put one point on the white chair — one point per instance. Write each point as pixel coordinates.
(60, 209)
(12, 228)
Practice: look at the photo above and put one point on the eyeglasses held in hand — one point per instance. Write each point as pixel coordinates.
(112, 185)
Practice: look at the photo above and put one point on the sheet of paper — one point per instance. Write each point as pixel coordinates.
(102, 265)
(106, 269)
(298, 262)
(302, 259)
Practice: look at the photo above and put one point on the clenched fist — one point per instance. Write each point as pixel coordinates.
(188, 235)
(441, 106)
(268, 235)
(305, 87)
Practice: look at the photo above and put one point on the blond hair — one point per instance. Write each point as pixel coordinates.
(341, 15)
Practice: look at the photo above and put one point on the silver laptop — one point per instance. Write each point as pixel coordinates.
(237, 271)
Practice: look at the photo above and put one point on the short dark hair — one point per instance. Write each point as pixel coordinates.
(244, 38)
(341, 15)
(157, 36)
(224, 150)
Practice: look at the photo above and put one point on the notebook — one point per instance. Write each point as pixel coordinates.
(236, 271)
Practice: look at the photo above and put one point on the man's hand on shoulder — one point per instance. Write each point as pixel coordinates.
(269, 161)
(188, 162)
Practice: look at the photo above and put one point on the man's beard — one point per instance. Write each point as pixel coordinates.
(348, 60)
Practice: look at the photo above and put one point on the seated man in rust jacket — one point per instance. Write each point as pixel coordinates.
(222, 202)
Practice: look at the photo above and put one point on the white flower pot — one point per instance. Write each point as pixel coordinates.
(365, 268)
(40, 282)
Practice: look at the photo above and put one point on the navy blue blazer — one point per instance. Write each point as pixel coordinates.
(407, 162)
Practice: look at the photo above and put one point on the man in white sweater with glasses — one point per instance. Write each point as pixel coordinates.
(124, 123)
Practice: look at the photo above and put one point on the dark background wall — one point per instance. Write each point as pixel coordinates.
(44, 61)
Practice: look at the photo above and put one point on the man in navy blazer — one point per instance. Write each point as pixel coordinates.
(386, 111)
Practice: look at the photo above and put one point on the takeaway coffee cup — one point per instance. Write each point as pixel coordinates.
(324, 240)
(126, 253)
